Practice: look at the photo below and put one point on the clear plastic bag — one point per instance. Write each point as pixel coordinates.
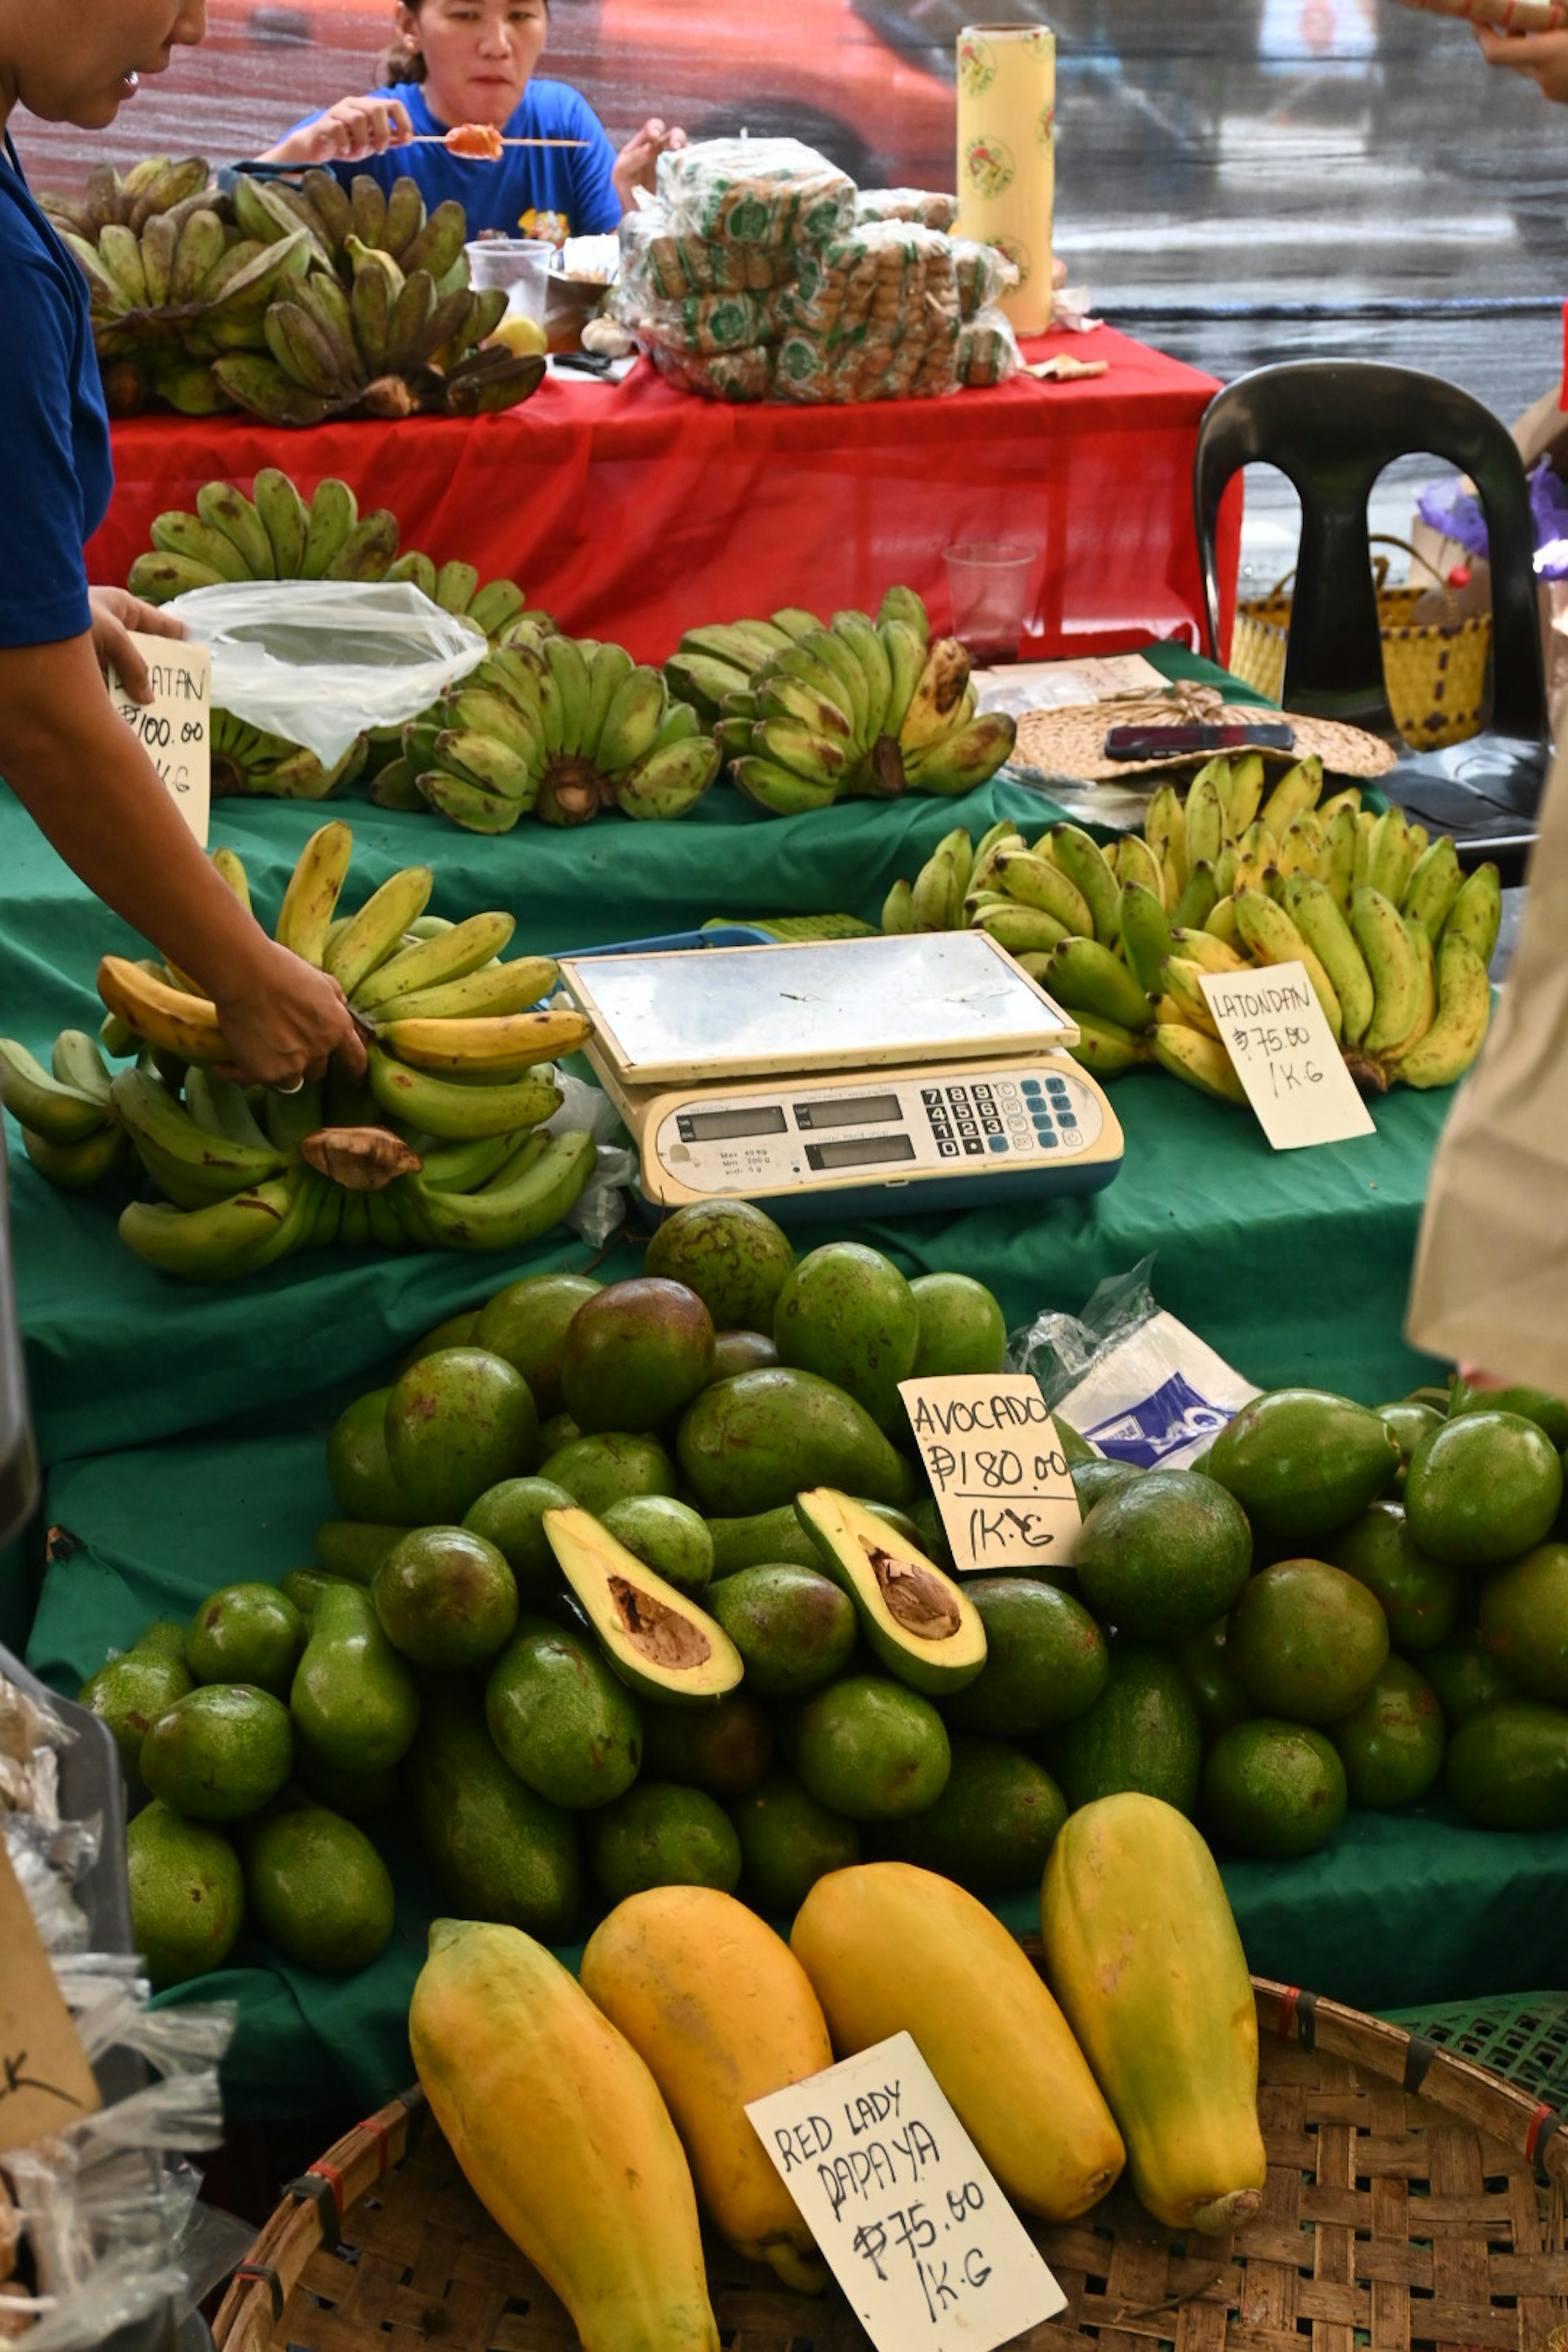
(600, 1209)
(929, 207)
(323, 661)
(1138, 1384)
(763, 193)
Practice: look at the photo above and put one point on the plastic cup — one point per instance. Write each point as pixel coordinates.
(988, 582)
(519, 264)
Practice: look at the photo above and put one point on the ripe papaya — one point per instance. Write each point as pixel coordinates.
(561, 2133)
(1144, 1955)
(890, 1949)
(720, 2010)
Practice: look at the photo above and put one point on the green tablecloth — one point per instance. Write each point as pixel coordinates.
(1400, 1910)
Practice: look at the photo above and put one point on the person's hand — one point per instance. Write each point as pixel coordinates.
(353, 128)
(1542, 55)
(286, 1020)
(115, 612)
(637, 162)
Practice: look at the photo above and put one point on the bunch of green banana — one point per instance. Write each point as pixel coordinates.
(69, 1129)
(557, 727)
(128, 199)
(808, 712)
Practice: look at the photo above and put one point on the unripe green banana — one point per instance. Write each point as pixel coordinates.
(632, 718)
(228, 510)
(1146, 935)
(1035, 882)
(1166, 832)
(1084, 975)
(60, 1114)
(899, 910)
(76, 1061)
(1199, 897)
(1082, 860)
(217, 1244)
(451, 954)
(1108, 1050)
(75, 1167)
(1311, 907)
(371, 937)
(511, 1218)
(444, 1106)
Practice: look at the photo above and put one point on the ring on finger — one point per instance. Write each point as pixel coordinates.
(292, 1086)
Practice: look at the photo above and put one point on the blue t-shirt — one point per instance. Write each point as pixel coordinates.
(574, 182)
(54, 428)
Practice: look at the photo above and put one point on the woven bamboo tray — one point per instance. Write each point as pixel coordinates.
(1413, 2204)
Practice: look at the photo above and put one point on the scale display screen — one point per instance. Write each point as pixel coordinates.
(719, 1126)
(859, 1150)
(849, 1110)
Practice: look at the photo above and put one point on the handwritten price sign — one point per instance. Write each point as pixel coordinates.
(1278, 1035)
(46, 2082)
(996, 1467)
(900, 2200)
(173, 727)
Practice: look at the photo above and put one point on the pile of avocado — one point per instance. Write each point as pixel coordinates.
(638, 1583)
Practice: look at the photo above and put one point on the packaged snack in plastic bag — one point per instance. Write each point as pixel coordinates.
(982, 272)
(929, 206)
(721, 375)
(659, 262)
(987, 350)
(768, 192)
(703, 323)
(1127, 1376)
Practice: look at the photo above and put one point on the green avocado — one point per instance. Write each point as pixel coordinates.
(1093, 1481)
(1273, 1789)
(636, 1356)
(918, 1622)
(457, 1330)
(1391, 1746)
(1410, 1423)
(354, 1701)
(1548, 1411)
(765, 1539)
(353, 1548)
(1524, 1621)
(1483, 1488)
(247, 1633)
(303, 1587)
(731, 1254)
(1302, 1464)
(668, 1537)
(359, 1795)
(188, 1895)
(657, 1641)
(962, 1327)
(561, 1720)
(753, 1443)
(457, 1423)
(129, 1693)
(163, 1638)
(660, 1835)
(994, 1825)
(788, 1841)
(794, 1627)
(725, 1748)
(871, 1748)
(742, 1351)
(1141, 1733)
(1466, 1677)
(1508, 1768)
(1220, 1695)
(609, 1467)
(317, 1889)
(1045, 1660)
(219, 1753)
(846, 1314)
(1165, 1556)
(1421, 1596)
(511, 1517)
(1307, 1641)
(445, 1597)
(528, 1322)
(499, 1850)
(359, 1469)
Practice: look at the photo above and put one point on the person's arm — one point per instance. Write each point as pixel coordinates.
(1542, 55)
(345, 133)
(89, 786)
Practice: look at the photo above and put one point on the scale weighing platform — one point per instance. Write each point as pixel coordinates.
(845, 1077)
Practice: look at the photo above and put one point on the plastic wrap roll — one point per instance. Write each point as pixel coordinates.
(1006, 156)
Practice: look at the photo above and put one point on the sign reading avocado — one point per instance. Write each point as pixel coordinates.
(996, 1466)
(898, 2199)
(1277, 1034)
(172, 727)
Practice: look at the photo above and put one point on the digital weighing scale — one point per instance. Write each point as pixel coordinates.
(845, 1077)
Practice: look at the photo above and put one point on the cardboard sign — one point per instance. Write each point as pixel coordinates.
(173, 727)
(46, 2082)
(996, 1467)
(1278, 1035)
(901, 2203)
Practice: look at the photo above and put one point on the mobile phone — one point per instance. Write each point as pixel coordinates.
(1158, 742)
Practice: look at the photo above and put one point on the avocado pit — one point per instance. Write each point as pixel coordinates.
(921, 1601)
(661, 1634)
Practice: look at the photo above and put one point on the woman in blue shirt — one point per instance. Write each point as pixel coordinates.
(68, 757)
(472, 62)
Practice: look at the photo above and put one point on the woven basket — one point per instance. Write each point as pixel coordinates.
(1413, 2200)
(1435, 671)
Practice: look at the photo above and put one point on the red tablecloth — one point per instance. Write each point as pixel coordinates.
(634, 511)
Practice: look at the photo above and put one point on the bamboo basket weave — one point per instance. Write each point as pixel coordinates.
(1413, 2204)
(1435, 671)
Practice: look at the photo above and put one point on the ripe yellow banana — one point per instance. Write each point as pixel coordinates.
(1202, 948)
(1271, 937)
(1398, 978)
(1036, 882)
(1311, 907)
(311, 900)
(1166, 832)
(500, 1046)
(1464, 1011)
(451, 954)
(367, 940)
(1182, 988)
(497, 988)
(164, 1015)
(1298, 789)
(934, 704)
(1202, 1061)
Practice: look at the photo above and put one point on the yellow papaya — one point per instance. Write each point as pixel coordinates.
(563, 2138)
(720, 2010)
(1144, 1956)
(890, 1949)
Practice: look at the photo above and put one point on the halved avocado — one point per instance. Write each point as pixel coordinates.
(922, 1626)
(654, 1638)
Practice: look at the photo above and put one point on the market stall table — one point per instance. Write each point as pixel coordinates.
(633, 511)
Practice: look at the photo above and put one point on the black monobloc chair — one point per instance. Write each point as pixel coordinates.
(1331, 426)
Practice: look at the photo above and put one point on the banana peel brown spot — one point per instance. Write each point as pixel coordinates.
(361, 1159)
(915, 1599)
(664, 1636)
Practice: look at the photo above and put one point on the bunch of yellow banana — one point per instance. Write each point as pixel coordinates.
(440, 1147)
(556, 728)
(808, 712)
(1394, 936)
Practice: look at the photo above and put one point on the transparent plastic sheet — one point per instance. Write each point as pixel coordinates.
(61, 1921)
(1127, 1376)
(323, 661)
(600, 1210)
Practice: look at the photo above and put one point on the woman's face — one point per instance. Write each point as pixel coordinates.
(478, 53)
(79, 61)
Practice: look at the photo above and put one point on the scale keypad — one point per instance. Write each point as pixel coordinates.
(990, 1116)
